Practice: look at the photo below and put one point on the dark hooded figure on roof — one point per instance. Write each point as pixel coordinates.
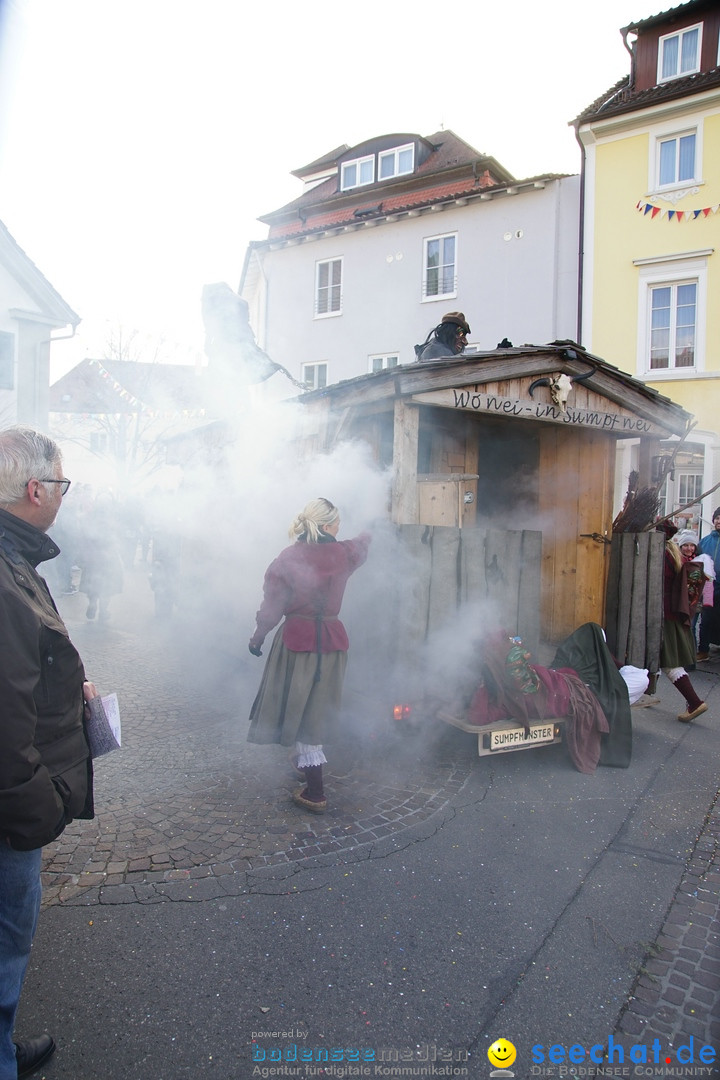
(447, 339)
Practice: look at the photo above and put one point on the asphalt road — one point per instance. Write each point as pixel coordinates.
(204, 926)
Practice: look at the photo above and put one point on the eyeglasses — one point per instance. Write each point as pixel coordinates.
(65, 484)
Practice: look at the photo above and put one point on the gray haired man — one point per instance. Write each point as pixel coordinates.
(45, 766)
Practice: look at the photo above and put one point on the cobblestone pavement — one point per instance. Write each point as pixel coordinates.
(677, 993)
(231, 821)
(232, 816)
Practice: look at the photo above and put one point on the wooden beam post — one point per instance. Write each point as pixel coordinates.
(405, 456)
(648, 449)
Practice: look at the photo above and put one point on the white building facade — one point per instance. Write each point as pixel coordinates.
(390, 235)
(31, 313)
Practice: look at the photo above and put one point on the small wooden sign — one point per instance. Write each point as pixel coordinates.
(622, 422)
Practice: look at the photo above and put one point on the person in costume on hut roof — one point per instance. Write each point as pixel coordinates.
(445, 340)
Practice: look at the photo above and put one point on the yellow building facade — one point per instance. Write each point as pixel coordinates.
(651, 235)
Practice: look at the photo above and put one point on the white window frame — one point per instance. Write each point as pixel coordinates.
(429, 297)
(315, 367)
(9, 360)
(679, 34)
(395, 153)
(333, 311)
(673, 329)
(689, 511)
(671, 271)
(387, 360)
(358, 162)
(98, 442)
(662, 134)
(676, 182)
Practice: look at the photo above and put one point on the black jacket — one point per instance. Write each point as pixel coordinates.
(435, 350)
(45, 765)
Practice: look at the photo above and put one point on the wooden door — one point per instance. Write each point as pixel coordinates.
(575, 501)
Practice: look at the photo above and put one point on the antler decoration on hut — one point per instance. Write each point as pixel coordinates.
(561, 385)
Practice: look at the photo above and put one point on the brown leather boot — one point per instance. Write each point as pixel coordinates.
(312, 797)
(695, 705)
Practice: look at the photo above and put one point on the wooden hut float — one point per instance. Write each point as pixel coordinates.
(477, 443)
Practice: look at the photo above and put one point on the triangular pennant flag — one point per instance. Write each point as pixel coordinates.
(671, 214)
(648, 207)
(655, 211)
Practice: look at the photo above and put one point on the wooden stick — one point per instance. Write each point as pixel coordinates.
(680, 509)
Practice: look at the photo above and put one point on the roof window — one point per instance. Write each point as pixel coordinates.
(679, 53)
(357, 172)
(396, 162)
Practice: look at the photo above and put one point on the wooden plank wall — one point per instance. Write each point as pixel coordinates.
(575, 500)
(634, 598)
(445, 584)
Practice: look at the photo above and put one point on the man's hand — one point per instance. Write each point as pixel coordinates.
(89, 692)
(255, 649)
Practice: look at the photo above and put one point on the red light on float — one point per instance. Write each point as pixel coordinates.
(401, 712)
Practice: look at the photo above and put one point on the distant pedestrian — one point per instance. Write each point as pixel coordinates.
(701, 588)
(45, 767)
(130, 518)
(710, 620)
(682, 592)
(102, 568)
(445, 340)
(67, 533)
(299, 699)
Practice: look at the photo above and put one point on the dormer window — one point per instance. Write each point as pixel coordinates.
(358, 172)
(679, 54)
(396, 162)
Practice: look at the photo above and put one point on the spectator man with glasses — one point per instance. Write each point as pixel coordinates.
(45, 766)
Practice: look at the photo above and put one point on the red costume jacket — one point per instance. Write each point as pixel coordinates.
(305, 584)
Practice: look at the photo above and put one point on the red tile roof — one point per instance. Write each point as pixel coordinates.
(666, 16)
(463, 168)
(621, 99)
(404, 201)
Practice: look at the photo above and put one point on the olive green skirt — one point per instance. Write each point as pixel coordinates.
(292, 704)
(678, 646)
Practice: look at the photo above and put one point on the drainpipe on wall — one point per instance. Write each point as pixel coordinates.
(581, 240)
(266, 287)
(38, 359)
(61, 337)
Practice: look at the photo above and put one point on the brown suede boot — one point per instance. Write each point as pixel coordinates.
(312, 797)
(695, 705)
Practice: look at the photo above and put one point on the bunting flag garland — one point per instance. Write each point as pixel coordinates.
(117, 387)
(142, 408)
(680, 215)
(183, 414)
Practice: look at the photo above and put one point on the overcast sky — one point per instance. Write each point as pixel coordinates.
(140, 140)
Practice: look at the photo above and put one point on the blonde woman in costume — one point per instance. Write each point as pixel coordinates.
(299, 699)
